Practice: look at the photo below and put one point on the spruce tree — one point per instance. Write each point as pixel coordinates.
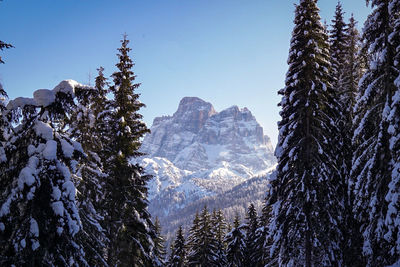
(90, 194)
(392, 218)
(251, 227)
(352, 72)
(203, 252)
(346, 72)
(102, 111)
(338, 42)
(177, 257)
(128, 223)
(262, 244)
(219, 230)
(3, 46)
(192, 240)
(373, 161)
(235, 240)
(306, 207)
(159, 252)
(39, 217)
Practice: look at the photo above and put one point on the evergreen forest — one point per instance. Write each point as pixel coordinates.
(73, 194)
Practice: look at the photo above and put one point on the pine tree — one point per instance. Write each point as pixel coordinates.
(4, 127)
(251, 227)
(159, 252)
(103, 113)
(352, 72)
(346, 72)
(306, 208)
(262, 244)
(3, 46)
(236, 244)
(90, 195)
(178, 251)
(39, 217)
(372, 162)
(392, 217)
(219, 230)
(128, 223)
(338, 42)
(192, 241)
(202, 250)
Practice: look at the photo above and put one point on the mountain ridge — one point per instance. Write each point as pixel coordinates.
(199, 153)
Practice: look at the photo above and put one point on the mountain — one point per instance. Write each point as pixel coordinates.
(200, 153)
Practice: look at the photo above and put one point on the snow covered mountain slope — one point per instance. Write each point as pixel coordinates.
(200, 152)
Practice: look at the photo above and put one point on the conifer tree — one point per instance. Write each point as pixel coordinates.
(178, 250)
(306, 207)
(236, 244)
(192, 241)
(392, 217)
(4, 125)
(352, 72)
(90, 195)
(203, 250)
(346, 72)
(3, 46)
(128, 223)
(103, 114)
(219, 230)
(372, 162)
(39, 217)
(338, 42)
(159, 252)
(262, 244)
(251, 227)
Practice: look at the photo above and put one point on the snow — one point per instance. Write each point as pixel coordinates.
(26, 176)
(44, 130)
(67, 148)
(50, 151)
(20, 102)
(77, 146)
(67, 87)
(2, 227)
(44, 97)
(3, 156)
(34, 228)
(31, 150)
(69, 190)
(35, 245)
(56, 194)
(23, 243)
(58, 208)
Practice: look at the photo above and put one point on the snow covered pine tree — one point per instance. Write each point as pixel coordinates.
(236, 245)
(306, 208)
(178, 250)
(39, 217)
(345, 73)
(128, 223)
(83, 126)
(372, 170)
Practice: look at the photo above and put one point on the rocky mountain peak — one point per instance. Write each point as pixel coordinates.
(197, 138)
(192, 113)
(198, 153)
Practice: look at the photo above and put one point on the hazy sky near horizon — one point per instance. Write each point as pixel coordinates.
(227, 52)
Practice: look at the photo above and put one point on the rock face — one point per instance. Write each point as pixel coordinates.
(198, 151)
(198, 155)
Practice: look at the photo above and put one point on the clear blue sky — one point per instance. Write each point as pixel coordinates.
(227, 52)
